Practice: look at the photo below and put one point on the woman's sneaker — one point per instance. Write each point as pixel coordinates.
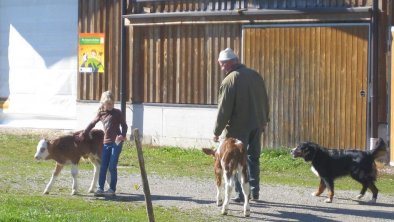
(99, 193)
(110, 192)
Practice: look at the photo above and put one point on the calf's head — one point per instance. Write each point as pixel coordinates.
(42, 150)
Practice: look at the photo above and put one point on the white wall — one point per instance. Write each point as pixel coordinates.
(183, 126)
(169, 125)
(4, 67)
(159, 124)
(38, 56)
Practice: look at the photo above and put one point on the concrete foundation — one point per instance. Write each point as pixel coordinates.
(184, 126)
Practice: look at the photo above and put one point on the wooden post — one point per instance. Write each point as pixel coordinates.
(391, 96)
(145, 184)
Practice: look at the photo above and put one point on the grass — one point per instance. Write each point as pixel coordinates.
(21, 199)
(66, 208)
(194, 162)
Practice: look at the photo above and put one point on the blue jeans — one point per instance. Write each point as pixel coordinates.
(252, 143)
(109, 160)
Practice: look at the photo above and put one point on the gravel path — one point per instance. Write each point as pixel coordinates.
(278, 203)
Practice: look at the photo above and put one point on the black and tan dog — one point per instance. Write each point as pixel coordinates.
(330, 164)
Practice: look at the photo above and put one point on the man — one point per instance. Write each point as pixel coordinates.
(243, 111)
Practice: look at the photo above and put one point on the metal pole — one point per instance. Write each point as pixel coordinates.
(374, 73)
(123, 5)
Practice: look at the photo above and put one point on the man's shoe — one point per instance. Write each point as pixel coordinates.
(254, 197)
(238, 199)
(99, 193)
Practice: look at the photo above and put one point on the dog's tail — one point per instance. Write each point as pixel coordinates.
(379, 149)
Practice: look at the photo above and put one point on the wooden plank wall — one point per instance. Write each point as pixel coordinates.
(101, 16)
(314, 76)
(178, 64)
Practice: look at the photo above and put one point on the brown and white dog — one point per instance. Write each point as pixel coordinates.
(230, 161)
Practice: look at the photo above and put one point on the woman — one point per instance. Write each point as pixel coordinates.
(115, 129)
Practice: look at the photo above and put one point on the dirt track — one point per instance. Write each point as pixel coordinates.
(278, 203)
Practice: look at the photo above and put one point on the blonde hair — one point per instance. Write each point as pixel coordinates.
(106, 97)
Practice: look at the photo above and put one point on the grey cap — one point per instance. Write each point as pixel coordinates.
(227, 54)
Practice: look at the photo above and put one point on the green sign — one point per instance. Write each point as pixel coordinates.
(89, 41)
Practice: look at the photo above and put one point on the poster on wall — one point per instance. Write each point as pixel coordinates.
(91, 52)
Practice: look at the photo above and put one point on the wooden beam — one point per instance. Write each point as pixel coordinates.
(248, 16)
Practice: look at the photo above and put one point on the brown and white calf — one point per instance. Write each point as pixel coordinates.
(230, 161)
(67, 150)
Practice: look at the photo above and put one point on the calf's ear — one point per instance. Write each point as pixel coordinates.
(208, 151)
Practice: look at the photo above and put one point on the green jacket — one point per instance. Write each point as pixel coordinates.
(242, 103)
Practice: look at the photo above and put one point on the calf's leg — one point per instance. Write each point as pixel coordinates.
(96, 166)
(219, 195)
(219, 186)
(246, 191)
(58, 169)
(228, 186)
(74, 174)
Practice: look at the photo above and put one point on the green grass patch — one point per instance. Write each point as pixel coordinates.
(169, 161)
(67, 208)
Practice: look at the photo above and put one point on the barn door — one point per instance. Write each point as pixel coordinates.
(316, 78)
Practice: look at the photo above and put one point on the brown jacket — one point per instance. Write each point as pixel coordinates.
(112, 121)
(242, 104)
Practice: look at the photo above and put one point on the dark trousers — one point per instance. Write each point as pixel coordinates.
(252, 143)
